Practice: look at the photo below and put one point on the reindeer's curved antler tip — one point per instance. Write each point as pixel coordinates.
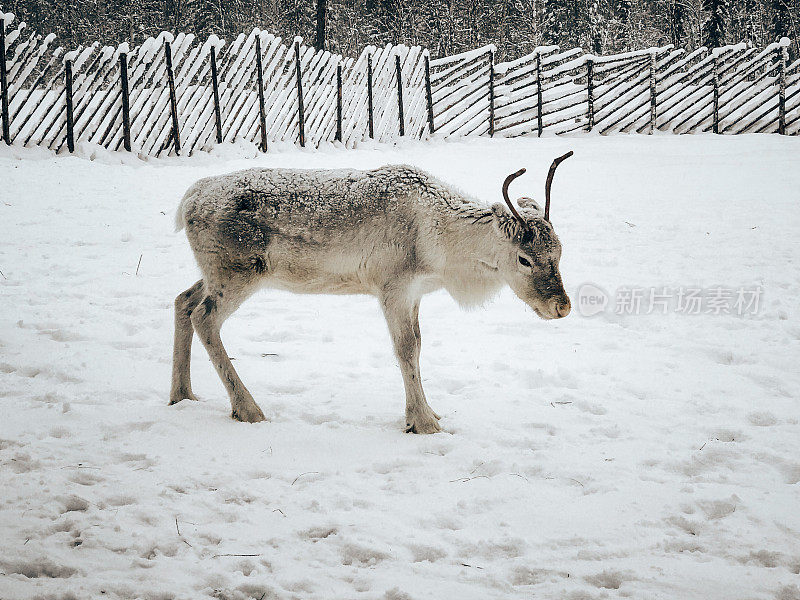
(509, 179)
(549, 182)
(506, 183)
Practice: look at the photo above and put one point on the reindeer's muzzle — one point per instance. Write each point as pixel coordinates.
(563, 307)
(555, 308)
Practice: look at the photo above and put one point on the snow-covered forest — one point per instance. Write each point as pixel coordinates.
(443, 26)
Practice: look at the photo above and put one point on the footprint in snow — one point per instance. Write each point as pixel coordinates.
(139, 425)
(396, 594)
(316, 534)
(360, 554)
(689, 526)
(762, 419)
(728, 435)
(36, 567)
(116, 501)
(610, 580)
(765, 558)
(423, 553)
(525, 575)
(718, 509)
(73, 503)
(22, 462)
(85, 477)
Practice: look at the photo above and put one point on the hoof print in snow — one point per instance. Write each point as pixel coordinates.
(361, 554)
(74, 503)
(610, 580)
(396, 594)
(35, 568)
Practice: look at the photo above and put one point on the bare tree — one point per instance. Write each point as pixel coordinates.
(716, 22)
(322, 8)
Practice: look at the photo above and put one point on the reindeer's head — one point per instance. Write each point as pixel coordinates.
(530, 263)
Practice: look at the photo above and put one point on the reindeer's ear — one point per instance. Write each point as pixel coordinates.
(530, 205)
(505, 223)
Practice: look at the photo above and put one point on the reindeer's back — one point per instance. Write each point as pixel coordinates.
(334, 220)
(303, 197)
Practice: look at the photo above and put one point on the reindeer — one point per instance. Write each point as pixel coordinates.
(395, 232)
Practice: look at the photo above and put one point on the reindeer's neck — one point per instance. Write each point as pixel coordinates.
(470, 249)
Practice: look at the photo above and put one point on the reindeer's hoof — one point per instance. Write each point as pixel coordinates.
(423, 425)
(248, 413)
(176, 397)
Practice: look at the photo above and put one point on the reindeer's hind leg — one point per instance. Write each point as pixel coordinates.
(217, 305)
(185, 303)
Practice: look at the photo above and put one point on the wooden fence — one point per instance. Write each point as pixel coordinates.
(176, 94)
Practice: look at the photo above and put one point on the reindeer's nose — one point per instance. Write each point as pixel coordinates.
(563, 308)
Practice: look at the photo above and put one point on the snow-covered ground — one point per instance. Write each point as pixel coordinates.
(618, 455)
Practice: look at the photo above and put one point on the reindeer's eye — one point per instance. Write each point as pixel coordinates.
(524, 261)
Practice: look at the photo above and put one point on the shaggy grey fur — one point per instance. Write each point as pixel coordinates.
(395, 232)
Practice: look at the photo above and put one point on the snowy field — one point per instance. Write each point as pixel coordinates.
(637, 455)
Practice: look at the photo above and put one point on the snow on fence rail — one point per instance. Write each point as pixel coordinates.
(176, 94)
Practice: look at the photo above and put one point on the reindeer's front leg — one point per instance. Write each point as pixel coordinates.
(402, 316)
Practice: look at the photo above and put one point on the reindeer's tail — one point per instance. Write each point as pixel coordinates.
(180, 214)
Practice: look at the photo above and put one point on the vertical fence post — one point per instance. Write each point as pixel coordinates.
(301, 118)
(338, 103)
(715, 82)
(428, 94)
(653, 92)
(539, 127)
(590, 93)
(173, 100)
(215, 91)
(369, 95)
(399, 71)
(782, 90)
(491, 93)
(4, 83)
(126, 101)
(70, 111)
(262, 113)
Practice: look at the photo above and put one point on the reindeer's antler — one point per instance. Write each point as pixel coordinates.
(549, 182)
(506, 183)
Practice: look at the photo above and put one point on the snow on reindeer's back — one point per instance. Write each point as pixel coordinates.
(305, 191)
(314, 193)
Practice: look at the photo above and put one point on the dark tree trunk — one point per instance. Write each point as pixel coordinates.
(781, 19)
(676, 23)
(715, 23)
(322, 9)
